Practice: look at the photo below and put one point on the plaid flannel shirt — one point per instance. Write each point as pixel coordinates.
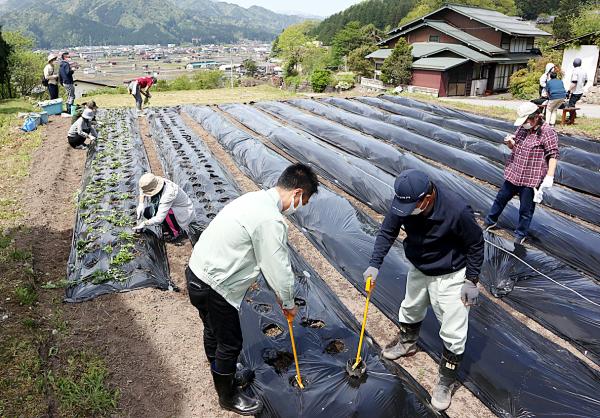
(528, 163)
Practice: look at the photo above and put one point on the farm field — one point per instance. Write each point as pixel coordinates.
(533, 337)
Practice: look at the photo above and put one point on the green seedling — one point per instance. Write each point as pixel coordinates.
(26, 295)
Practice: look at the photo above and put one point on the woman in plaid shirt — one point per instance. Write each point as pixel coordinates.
(529, 169)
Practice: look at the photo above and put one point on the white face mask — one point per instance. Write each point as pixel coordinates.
(291, 209)
(527, 125)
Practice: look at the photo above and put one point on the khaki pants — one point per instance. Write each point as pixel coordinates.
(551, 110)
(443, 294)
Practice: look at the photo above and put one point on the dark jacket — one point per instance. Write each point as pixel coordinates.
(444, 242)
(65, 73)
(556, 89)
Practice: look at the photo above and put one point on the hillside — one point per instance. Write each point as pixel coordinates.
(56, 23)
(381, 13)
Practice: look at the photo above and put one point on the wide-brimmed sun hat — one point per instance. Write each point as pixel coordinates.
(52, 57)
(525, 110)
(151, 184)
(88, 114)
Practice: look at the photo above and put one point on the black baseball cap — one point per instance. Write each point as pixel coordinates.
(410, 187)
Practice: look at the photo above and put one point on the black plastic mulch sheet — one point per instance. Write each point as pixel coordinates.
(326, 333)
(187, 162)
(568, 201)
(557, 197)
(513, 370)
(560, 236)
(106, 256)
(571, 140)
(569, 306)
(568, 154)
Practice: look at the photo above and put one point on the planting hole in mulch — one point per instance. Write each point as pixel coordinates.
(213, 176)
(200, 194)
(217, 183)
(335, 347)
(272, 330)
(207, 166)
(210, 215)
(223, 200)
(312, 323)
(279, 360)
(262, 308)
(299, 302)
(220, 191)
(294, 382)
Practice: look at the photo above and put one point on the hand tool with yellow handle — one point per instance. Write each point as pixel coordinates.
(290, 319)
(358, 368)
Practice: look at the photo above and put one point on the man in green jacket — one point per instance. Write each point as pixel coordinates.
(247, 237)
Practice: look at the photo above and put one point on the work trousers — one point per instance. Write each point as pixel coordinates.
(573, 99)
(443, 294)
(551, 110)
(76, 140)
(526, 206)
(222, 331)
(70, 89)
(53, 91)
(169, 225)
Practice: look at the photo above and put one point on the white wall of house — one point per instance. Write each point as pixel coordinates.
(589, 55)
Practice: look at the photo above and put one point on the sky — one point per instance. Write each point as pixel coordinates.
(312, 7)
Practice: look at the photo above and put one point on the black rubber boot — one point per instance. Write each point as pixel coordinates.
(407, 344)
(447, 384)
(231, 398)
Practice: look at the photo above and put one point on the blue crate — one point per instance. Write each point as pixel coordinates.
(44, 117)
(52, 107)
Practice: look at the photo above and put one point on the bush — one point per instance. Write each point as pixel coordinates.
(293, 81)
(396, 68)
(320, 79)
(524, 84)
(344, 80)
(211, 79)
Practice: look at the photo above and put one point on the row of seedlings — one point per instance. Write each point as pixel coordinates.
(106, 255)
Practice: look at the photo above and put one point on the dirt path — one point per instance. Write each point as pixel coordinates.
(381, 329)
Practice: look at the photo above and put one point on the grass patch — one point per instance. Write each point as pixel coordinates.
(212, 96)
(11, 106)
(26, 295)
(81, 387)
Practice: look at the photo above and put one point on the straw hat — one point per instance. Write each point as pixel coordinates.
(52, 57)
(525, 110)
(151, 184)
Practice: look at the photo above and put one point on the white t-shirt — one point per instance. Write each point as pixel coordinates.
(579, 77)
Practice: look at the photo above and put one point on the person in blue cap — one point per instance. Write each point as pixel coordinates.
(444, 245)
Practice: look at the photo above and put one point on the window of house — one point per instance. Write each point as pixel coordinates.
(434, 38)
(505, 44)
(457, 82)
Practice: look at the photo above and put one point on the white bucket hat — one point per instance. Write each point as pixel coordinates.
(151, 184)
(52, 57)
(524, 111)
(88, 114)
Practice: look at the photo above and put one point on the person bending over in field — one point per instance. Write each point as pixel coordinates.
(164, 203)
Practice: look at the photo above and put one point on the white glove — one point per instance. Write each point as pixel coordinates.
(92, 138)
(371, 272)
(547, 182)
(139, 227)
(140, 210)
(538, 195)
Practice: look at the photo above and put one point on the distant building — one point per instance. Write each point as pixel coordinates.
(198, 65)
(463, 51)
(545, 20)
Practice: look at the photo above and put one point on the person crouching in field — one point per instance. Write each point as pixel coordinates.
(138, 87)
(82, 129)
(168, 206)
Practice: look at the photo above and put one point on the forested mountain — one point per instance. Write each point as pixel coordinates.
(56, 23)
(380, 13)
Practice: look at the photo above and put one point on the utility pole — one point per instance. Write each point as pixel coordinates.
(231, 67)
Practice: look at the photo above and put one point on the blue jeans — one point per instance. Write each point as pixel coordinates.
(526, 207)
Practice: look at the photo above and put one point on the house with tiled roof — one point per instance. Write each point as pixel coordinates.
(463, 50)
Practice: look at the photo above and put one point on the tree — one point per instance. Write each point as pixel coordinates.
(25, 66)
(587, 21)
(250, 67)
(396, 68)
(359, 64)
(351, 37)
(5, 51)
(530, 9)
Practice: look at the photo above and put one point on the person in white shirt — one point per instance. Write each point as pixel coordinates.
(82, 129)
(247, 237)
(579, 79)
(51, 77)
(550, 67)
(168, 205)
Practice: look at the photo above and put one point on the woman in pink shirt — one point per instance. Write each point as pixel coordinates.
(141, 86)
